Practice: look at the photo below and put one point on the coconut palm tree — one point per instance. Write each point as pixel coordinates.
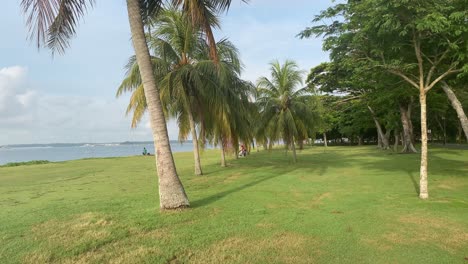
(284, 109)
(189, 79)
(231, 118)
(53, 23)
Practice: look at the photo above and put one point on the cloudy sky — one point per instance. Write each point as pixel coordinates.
(71, 97)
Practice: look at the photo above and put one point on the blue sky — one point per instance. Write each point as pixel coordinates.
(71, 97)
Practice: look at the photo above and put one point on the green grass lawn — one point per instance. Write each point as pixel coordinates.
(336, 205)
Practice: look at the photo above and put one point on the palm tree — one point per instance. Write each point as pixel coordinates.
(53, 23)
(284, 109)
(189, 80)
(232, 116)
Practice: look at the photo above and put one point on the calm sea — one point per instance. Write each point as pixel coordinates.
(62, 152)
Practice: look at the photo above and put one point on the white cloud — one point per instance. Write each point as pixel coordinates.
(27, 116)
(15, 98)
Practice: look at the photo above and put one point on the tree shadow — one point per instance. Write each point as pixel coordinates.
(276, 165)
(438, 166)
(213, 198)
(415, 183)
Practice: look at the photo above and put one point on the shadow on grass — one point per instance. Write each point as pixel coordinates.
(410, 164)
(415, 183)
(213, 198)
(276, 164)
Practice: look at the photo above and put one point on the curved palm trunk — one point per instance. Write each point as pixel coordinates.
(196, 150)
(457, 106)
(171, 192)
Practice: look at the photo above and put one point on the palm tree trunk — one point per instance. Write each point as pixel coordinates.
(457, 106)
(171, 192)
(223, 155)
(325, 141)
(423, 191)
(293, 145)
(196, 150)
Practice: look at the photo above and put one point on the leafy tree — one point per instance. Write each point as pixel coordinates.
(53, 23)
(285, 113)
(189, 79)
(421, 42)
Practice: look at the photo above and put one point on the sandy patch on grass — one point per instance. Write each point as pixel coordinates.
(415, 229)
(281, 248)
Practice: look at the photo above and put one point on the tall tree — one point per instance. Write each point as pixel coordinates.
(421, 42)
(189, 80)
(283, 104)
(53, 23)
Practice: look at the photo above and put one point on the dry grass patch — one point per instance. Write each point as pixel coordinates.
(115, 253)
(69, 234)
(129, 249)
(413, 229)
(232, 177)
(281, 248)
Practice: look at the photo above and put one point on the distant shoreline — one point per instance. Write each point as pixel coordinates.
(39, 145)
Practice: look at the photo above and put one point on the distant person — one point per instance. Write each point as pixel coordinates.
(145, 152)
(243, 151)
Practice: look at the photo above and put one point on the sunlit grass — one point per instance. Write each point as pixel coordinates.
(336, 205)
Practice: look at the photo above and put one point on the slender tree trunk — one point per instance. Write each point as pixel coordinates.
(293, 146)
(382, 136)
(408, 146)
(325, 141)
(171, 192)
(379, 141)
(459, 133)
(397, 139)
(423, 190)
(387, 136)
(457, 106)
(265, 144)
(196, 150)
(223, 155)
(235, 145)
(442, 128)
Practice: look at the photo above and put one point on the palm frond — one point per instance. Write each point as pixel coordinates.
(53, 23)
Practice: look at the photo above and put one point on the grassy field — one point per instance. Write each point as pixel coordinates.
(336, 205)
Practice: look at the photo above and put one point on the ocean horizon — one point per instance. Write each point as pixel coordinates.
(72, 151)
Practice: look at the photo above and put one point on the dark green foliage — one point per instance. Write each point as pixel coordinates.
(32, 162)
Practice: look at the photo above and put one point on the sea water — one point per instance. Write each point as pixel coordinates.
(62, 152)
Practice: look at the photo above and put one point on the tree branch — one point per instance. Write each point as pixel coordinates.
(417, 51)
(406, 78)
(442, 76)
